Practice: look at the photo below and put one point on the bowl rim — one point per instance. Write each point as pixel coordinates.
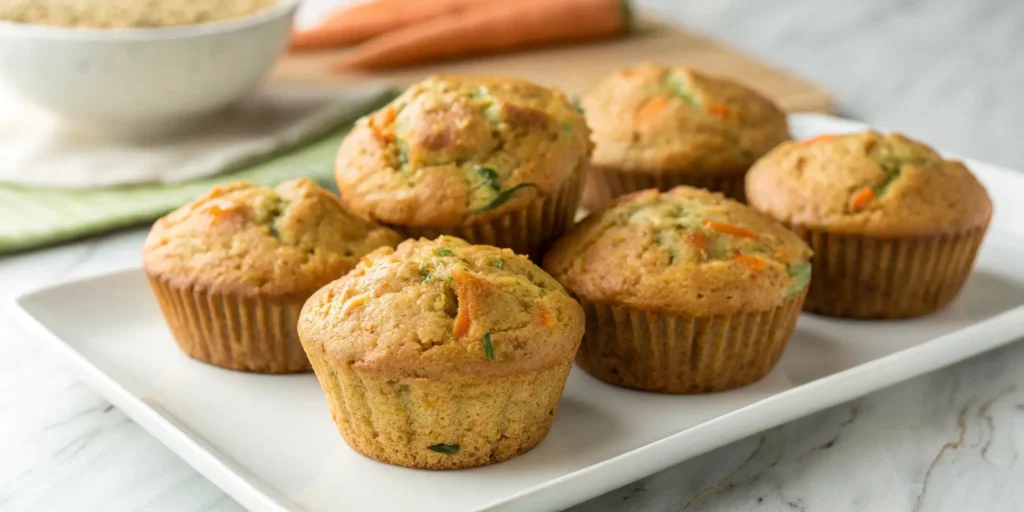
(279, 9)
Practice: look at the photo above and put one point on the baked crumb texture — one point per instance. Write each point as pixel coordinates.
(121, 14)
(232, 269)
(660, 126)
(685, 291)
(895, 227)
(495, 161)
(440, 354)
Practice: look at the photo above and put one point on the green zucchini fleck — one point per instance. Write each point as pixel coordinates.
(576, 104)
(504, 196)
(800, 272)
(442, 252)
(490, 177)
(403, 151)
(499, 263)
(893, 171)
(488, 347)
(680, 88)
(447, 449)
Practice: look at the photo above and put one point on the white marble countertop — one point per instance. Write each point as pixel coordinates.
(945, 71)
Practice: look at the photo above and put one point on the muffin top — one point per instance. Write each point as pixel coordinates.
(652, 118)
(685, 251)
(444, 309)
(253, 240)
(869, 184)
(453, 150)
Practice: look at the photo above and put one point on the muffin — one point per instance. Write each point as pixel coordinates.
(894, 226)
(684, 291)
(232, 269)
(442, 354)
(660, 127)
(495, 161)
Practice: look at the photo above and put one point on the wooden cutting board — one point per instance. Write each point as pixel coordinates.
(574, 68)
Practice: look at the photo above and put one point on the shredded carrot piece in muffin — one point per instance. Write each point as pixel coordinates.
(353, 303)
(379, 120)
(753, 262)
(545, 318)
(461, 326)
(718, 110)
(729, 229)
(651, 109)
(698, 239)
(220, 210)
(862, 199)
(819, 138)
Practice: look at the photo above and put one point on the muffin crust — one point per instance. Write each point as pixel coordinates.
(657, 119)
(444, 310)
(868, 184)
(686, 251)
(252, 241)
(457, 150)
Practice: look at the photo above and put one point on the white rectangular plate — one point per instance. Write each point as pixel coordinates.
(270, 443)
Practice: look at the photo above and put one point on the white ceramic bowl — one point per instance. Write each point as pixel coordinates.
(147, 81)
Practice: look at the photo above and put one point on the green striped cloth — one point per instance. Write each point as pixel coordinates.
(34, 217)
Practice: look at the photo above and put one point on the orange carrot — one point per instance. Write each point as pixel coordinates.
(698, 239)
(753, 262)
(729, 229)
(862, 199)
(497, 27)
(650, 109)
(718, 111)
(819, 138)
(221, 209)
(355, 24)
(379, 120)
(462, 321)
(545, 318)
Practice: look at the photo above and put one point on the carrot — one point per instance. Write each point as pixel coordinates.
(650, 109)
(461, 325)
(862, 199)
(355, 24)
(545, 318)
(718, 111)
(729, 229)
(819, 138)
(753, 262)
(497, 27)
(698, 239)
(379, 120)
(221, 209)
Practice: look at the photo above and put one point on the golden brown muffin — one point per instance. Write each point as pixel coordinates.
(684, 291)
(495, 161)
(442, 354)
(659, 127)
(232, 269)
(895, 227)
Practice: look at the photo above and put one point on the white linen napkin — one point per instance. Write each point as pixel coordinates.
(36, 150)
